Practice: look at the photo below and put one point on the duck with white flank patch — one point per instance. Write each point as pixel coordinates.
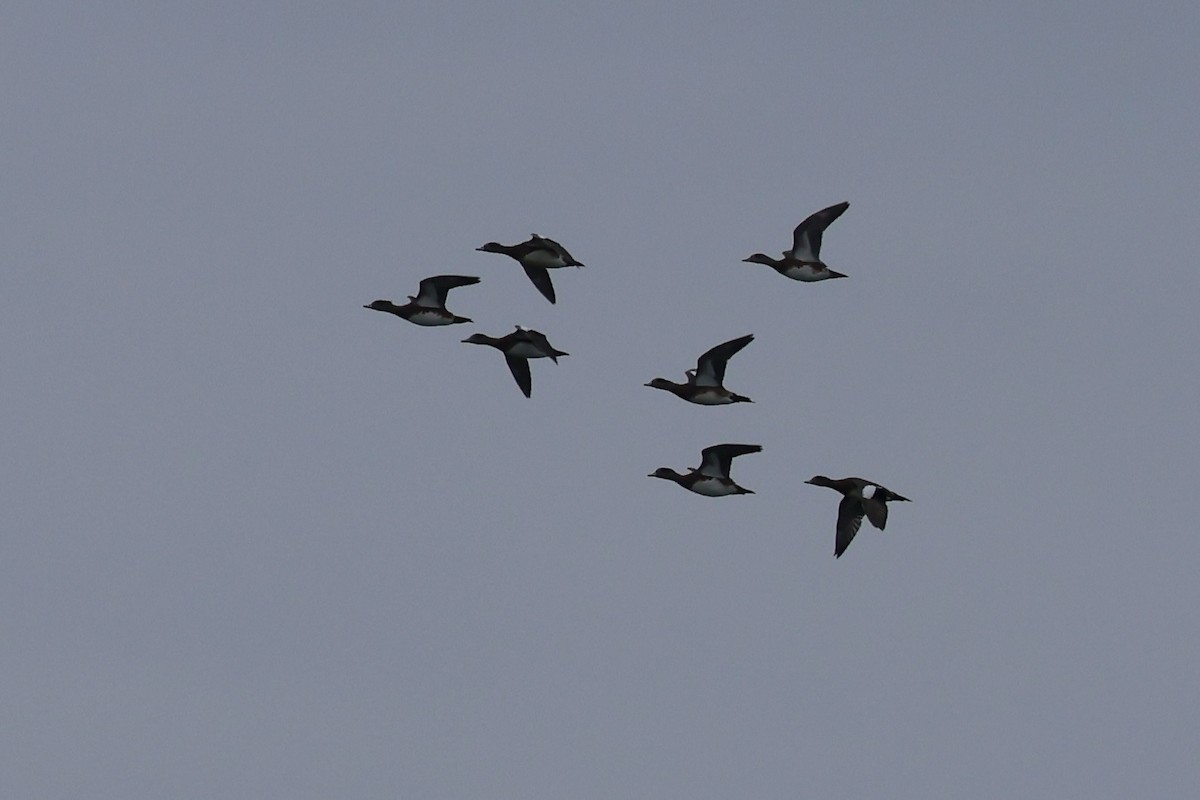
(859, 498)
(704, 385)
(711, 478)
(803, 262)
(536, 256)
(518, 347)
(428, 308)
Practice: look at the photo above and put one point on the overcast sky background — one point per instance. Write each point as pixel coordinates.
(261, 542)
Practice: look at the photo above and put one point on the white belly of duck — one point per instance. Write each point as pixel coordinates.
(432, 316)
(713, 487)
(711, 397)
(544, 259)
(806, 272)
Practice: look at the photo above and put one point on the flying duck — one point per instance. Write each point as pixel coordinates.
(518, 347)
(703, 385)
(428, 308)
(536, 256)
(803, 262)
(859, 497)
(711, 478)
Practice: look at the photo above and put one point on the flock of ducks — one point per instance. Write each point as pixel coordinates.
(703, 385)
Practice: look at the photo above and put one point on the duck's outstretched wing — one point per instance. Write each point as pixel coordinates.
(541, 279)
(715, 461)
(432, 291)
(710, 367)
(850, 517)
(519, 367)
(806, 239)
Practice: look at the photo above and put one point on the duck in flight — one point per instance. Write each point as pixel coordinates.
(518, 347)
(803, 262)
(704, 384)
(428, 308)
(711, 478)
(859, 498)
(537, 257)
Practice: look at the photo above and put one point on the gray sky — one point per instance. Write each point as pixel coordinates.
(260, 542)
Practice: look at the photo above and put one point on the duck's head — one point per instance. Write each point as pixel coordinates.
(819, 480)
(662, 383)
(478, 338)
(491, 247)
(381, 305)
(760, 258)
(665, 472)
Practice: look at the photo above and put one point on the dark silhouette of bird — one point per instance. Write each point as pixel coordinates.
(518, 347)
(428, 308)
(536, 256)
(705, 383)
(859, 498)
(803, 262)
(711, 478)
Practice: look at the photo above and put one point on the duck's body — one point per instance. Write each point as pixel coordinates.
(860, 498)
(711, 478)
(700, 395)
(536, 256)
(797, 271)
(705, 383)
(706, 485)
(428, 307)
(518, 347)
(803, 262)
